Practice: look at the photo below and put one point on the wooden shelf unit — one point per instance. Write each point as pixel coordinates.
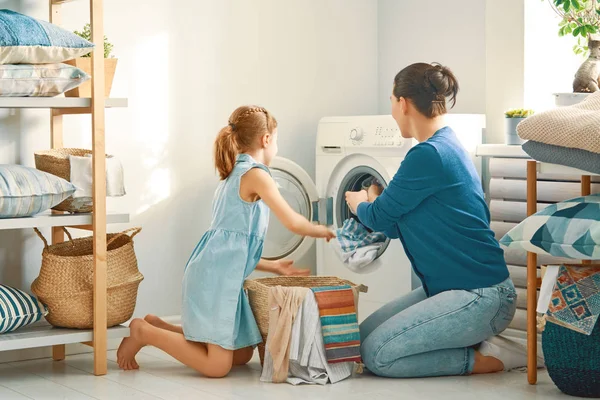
(533, 281)
(42, 336)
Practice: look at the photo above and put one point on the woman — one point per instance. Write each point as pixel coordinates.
(436, 207)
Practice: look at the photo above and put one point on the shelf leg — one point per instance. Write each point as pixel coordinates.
(99, 189)
(531, 280)
(58, 352)
(56, 141)
(586, 190)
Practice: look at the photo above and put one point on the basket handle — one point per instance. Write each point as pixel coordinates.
(37, 231)
(125, 232)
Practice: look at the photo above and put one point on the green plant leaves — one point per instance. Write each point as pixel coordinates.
(567, 5)
(87, 35)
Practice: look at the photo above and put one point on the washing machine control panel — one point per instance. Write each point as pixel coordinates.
(375, 136)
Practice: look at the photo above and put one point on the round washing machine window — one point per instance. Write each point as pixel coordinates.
(280, 242)
(355, 180)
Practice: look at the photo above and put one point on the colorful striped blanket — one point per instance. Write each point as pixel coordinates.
(339, 323)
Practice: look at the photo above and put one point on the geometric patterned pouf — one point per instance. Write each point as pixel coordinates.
(573, 359)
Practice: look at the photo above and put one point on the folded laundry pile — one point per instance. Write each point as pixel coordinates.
(568, 136)
(313, 335)
(355, 245)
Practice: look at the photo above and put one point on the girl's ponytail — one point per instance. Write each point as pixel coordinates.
(225, 152)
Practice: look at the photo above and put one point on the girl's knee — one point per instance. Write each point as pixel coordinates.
(243, 356)
(217, 371)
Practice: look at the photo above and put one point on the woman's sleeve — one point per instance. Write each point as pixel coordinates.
(420, 175)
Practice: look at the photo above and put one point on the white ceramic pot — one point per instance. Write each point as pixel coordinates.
(510, 131)
(568, 99)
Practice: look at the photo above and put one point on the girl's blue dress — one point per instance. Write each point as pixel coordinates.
(215, 307)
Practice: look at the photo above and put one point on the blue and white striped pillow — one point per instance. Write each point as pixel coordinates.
(27, 191)
(26, 40)
(18, 309)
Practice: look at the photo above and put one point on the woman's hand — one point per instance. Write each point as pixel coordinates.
(355, 198)
(374, 192)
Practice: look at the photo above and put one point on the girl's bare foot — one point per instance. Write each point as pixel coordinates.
(131, 345)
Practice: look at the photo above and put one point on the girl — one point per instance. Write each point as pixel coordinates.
(218, 329)
(436, 207)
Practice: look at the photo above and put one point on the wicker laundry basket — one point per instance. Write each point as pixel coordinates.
(258, 295)
(65, 283)
(56, 162)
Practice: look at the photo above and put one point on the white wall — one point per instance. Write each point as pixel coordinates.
(184, 70)
(448, 32)
(504, 60)
(550, 64)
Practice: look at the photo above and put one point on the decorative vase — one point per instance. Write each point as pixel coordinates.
(573, 359)
(510, 131)
(85, 64)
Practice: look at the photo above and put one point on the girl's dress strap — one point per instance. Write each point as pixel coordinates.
(246, 158)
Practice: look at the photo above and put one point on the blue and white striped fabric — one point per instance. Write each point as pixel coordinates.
(353, 235)
(27, 191)
(26, 40)
(18, 309)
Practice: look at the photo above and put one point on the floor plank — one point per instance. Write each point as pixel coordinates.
(81, 381)
(162, 377)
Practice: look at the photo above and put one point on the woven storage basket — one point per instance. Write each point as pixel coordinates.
(573, 359)
(56, 162)
(258, 295)
(65, 283)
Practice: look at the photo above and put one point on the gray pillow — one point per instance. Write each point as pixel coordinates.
(575, 158)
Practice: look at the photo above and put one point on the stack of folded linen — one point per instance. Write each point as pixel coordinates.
(567, 136)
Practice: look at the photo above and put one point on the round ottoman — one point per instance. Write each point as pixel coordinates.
(573, 360)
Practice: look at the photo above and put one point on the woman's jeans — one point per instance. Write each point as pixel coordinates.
(417, 336)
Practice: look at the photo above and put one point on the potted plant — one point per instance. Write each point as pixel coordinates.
(85, 63)
(513, 118)
(581, 19)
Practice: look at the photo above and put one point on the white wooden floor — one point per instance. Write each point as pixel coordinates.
(161, 377)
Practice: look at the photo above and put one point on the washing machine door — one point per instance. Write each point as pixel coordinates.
(298, 189)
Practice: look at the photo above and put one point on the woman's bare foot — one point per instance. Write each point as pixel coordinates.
(486, 364)
(131, 345)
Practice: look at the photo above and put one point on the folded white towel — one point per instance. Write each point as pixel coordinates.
(81, 177)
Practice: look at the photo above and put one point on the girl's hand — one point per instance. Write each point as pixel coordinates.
(323, 232)
(355, 198)
(286, 268)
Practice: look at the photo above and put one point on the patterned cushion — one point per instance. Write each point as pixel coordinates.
(576, 126)
(18, 309)
(569, 229)
(575, 302)
(26, 191)
(46, 80)
(25, 40)
(575, 158)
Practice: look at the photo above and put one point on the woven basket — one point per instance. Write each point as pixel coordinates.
(258, 294)
(65, 283)
(56, 162)
(573, 359)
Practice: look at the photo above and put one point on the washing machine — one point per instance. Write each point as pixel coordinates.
(349, 152)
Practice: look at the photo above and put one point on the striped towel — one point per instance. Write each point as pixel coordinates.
(339, 323)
